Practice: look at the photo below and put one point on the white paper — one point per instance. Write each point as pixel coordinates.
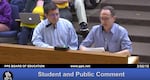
(98, 49)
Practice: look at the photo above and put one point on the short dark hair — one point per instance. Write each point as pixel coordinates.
(110, 8)
(49, 6)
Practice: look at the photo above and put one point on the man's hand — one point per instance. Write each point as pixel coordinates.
(83, 48)
(124, 52)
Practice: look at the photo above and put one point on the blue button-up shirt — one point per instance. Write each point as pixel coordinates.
(63, 34)
(115, 40)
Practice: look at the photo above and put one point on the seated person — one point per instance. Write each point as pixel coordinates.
(36, 7)
(110, 35)
(88, 4)
(19, 3)
(80, 11)
(91, 4)
(81, 14)
(5, 15)
(54, 31)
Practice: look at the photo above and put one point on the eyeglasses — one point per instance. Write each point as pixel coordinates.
(54, 15)
(105, 18)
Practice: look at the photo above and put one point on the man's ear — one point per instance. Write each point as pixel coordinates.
(45, 15)
(114, 17)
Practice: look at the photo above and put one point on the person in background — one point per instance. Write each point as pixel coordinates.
(88, 4)
(91, 4)
(19, 3)
(64, 11)
(5, 15)
(82, 18)
(54, 31)
(110, 35)
(80, 11)
(36, 7)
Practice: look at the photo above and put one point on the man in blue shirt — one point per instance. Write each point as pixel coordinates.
(54, 31)
(111, 36)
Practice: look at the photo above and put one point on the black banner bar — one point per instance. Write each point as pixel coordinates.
(74, 65)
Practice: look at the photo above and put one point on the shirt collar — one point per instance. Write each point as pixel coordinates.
(48, 24)
(112, 29)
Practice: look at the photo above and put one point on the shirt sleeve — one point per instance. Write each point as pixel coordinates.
(6, 17)
(73, 44)
(37, 38)
(88, 41)
(126, 42)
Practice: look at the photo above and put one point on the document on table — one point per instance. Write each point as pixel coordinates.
(98, 49)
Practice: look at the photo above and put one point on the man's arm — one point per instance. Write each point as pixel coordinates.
(124, 52)
(126, 44)
(88, 41)
(83, 48)
(6, 14)
(37, 38)
(73, 42)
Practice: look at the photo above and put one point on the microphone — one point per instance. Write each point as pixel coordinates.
(48, 24)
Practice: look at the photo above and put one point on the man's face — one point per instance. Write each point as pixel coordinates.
(53, 16)
(106, 18)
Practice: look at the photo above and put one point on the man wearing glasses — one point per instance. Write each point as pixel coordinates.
(110, 35)
(54, 31)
